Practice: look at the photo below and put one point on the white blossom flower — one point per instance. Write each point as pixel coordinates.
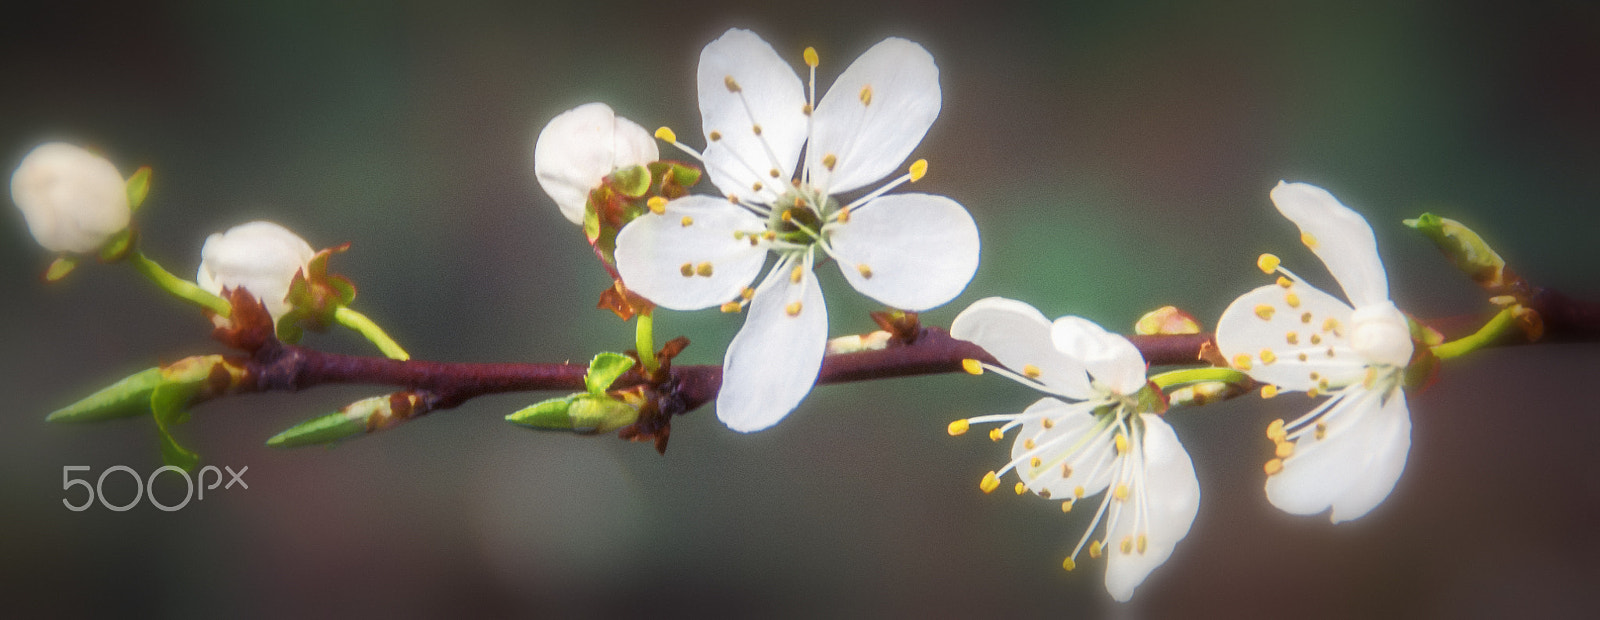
(580, 147)
(1348, 452)
(73, 200)
(1095, 433)
(262, 257)
(909, 251)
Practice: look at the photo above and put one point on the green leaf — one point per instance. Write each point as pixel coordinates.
(128, 397)
(60, 267)
(138, 187)
(323, 429)
(550, 414)
(169, 403)
(118, 247)
(604, 370)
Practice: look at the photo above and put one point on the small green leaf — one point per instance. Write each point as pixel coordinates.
(60, 267)
(604, 370)
(323, 429)
(118, 247)
(169, 403)
(138, 188)
(128, 397)
(632, 182)
(550, 414)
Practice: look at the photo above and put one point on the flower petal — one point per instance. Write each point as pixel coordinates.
(773, 361)
(874, 115)
(1072, 453)
(1172, 498)
(1386, 460)
(579, 147)
(1113, 362)
(1354, 466)
(1018, 336)
(1339, 236)
(696, 233)
(736, 156)
(1316, 323)
(910, 251)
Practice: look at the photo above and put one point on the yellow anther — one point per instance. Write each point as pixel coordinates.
(864, 270)
(989, 483)
(1268, 357)
(1273, 466)
(657, 204)
(806, 109)
(829, 160)
(1292, 338)
(738, 235)
(756, 187)
(811, 57)
(1241, 361)
(1031, 371)
(1269, 391)
(1284, 282)
(1144, 543)
(733, 198)
(1020, 488)
(732, 307)
(1305, 317)
(1316, 339)
(796, 273)
(1047, 423)
(1069, 564)
(972, 366)
(756, 128)
(1066, 505)
(715, 135)
(1127, 545)
(866, 95)
(1265, 311)
(1292, 299)
(1314, 376)
(1284, 450)
(1330, 324)
(919, 169)
(686, 221)
(687, 269)
(1077, 492)
(1121, 492)
(747, 293)
(732, 84)
(1122, 443)
(1094, 549)
(666, 134)
(703, 270)
(1302, 357)
(793, 308)
(1323, 384)
(1310, 241)
(844, 215)
(1275, 430)
(1322, 431)
(1066, 470)
(995, 434)
(788, 215)
(1330, 353)
(769, 235)
(1044, 493)
(959, 427)
(772, 172)
(1313, 392)
(1370, 379)
(1035, 462)
(1267, 263)
(1028, 444)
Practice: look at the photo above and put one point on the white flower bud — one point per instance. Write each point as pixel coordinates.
(580, 147)
(73, 200)
(262, 257)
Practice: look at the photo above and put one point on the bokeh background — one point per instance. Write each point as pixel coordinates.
(1116, 156)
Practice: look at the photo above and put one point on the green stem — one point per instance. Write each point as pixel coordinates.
(1485, 336)
(1198, 375)
(644, 341)
(178, 287)
(364, 326)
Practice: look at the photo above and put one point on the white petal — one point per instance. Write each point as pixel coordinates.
(1339, 236)
(773, 361)
(260, 257)
(921, 250)
(1069, 441)
(1354, 466)
(653, 249)
(1173, 496)
(871, 136)
(1018, 336)
(1242, 331)
(73, 200)
(579, 147)
(740, 158)
(1112, 361)
(1391, 442)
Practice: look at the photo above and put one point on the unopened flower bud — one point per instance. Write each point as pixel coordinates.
(579, 147)
(262, 257)
(73, 200)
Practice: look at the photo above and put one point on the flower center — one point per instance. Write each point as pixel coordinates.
(796, 217)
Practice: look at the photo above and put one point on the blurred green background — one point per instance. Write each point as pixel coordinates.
(1116, 156)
